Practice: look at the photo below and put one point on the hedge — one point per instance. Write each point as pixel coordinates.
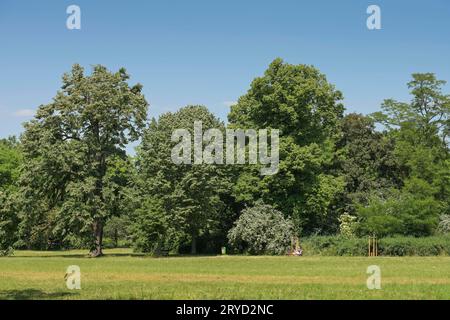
(394, 246)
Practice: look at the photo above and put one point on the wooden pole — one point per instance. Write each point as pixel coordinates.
(372, 250)
(374, 241)
(376, 246)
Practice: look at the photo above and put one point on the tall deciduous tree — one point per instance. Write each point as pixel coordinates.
(428, 112)
(72, 148)
(300, 102)
(180, 200)
(421, 132)
(366, 159)
(419, 129)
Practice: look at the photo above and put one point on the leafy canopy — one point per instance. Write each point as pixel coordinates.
(72, 148)
(300, 102)
(183, 200)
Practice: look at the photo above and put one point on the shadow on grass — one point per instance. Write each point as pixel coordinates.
(33, 294)
(63, 254)
(76, 256)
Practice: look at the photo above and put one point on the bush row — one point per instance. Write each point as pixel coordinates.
(395, 246)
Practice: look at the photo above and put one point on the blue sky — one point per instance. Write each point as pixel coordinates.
(207, 52)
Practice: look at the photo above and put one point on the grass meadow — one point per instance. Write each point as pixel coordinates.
(124, 275)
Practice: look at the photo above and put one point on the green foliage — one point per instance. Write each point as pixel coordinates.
(407, 246)
(10, 161)
(348, 225)
(152, 230)
(428, 112)
(393, 246)
(290, 97)
(297, 100)
(8, 222)
(400, 214)
(365, 158)
(69, 180)
(334, 246)
(262, 230)
(444, 224)
(7, 252)
(421, 150)
(189, 197)
(117, 230)
(71, 183)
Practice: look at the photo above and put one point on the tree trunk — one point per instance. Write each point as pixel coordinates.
(97, 251)
(194, 245)
(116, 238)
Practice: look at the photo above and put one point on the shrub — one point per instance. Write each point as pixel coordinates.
(348, 225)
(262, 230)
(444, 224)
(151, 229)
(408, 246)
(400, 214)
(7, 252)
(394, 246)
(334, 246)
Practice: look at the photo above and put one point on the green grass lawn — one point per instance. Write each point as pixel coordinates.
(122, 275)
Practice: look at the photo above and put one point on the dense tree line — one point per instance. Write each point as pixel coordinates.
(69, 181)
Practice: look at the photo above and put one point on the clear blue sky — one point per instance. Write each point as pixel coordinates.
(207, 52)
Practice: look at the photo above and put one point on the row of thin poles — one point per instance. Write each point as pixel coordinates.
(373, 246)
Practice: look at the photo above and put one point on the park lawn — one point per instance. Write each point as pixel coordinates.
(124, 275)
